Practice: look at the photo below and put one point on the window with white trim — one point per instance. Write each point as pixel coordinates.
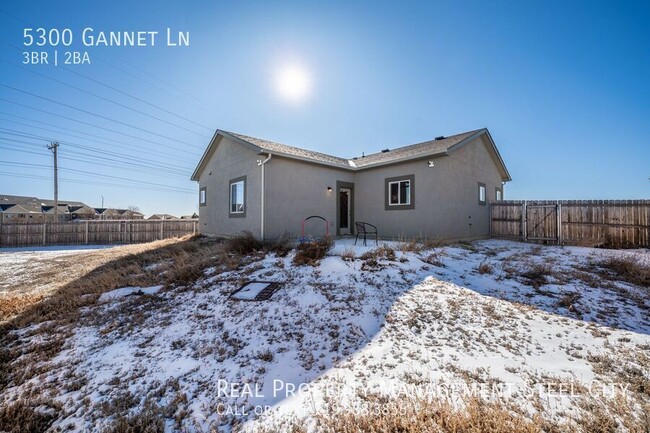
(237, 205)
(498, 194)
(482, 199)
(399, 193)
(203, 196)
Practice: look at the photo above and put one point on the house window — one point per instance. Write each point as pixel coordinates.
(481, 193)
(498, 194)
(202, 196)
(400, 192)
(238, 197)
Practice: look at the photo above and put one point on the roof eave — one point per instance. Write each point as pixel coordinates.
(211, 147)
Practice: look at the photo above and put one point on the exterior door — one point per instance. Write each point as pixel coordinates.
(345, 211)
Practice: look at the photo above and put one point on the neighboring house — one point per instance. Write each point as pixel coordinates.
(107, 214)
(162, 216)
(82, 212)
(438, 189)
(128, 214)
(33, 209)
(17, 213)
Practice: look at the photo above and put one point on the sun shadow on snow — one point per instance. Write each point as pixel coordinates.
(575, 282)
(197, 355)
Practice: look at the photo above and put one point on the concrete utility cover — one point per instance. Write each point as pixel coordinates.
(256, 291)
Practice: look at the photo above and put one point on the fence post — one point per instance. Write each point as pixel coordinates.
(162, 229)
(558, 210)
(490, 216)
(193, 227)
(86, 237)
(44, 232)
(524, 222)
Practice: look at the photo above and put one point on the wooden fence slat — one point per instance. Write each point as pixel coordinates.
(99, 232)
(617, 223)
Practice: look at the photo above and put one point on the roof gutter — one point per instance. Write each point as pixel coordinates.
(262, 163)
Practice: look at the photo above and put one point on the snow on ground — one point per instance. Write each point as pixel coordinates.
(476, 313)
(17, 265)
(128, 291)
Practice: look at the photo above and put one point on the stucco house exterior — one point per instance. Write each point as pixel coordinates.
(438, 189)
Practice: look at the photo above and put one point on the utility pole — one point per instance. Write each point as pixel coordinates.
(54, 147)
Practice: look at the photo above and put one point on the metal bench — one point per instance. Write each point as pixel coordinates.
(364, 229)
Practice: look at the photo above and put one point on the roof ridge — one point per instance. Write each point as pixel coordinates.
(349, 161)
(445, 137)
(244, 136)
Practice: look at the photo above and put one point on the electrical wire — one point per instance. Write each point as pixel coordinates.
(102, 98)
(101, 116)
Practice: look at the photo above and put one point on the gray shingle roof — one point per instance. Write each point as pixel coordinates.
(272, 146)
(426, 148)
(438, 146)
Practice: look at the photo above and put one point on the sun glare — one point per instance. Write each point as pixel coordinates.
(293, 82)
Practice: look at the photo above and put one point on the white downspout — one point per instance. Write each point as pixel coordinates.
(262, 194)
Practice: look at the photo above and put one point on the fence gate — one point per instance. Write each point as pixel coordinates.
(541, 222)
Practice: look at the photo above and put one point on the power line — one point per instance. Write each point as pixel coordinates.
(135, 97)
(24, 164)
(103, 98)
(99, 160)
(118, 90)
(85, 182)
(104, 141)
(96, 115)
(125, 158)
(163, 89)
(94, 125)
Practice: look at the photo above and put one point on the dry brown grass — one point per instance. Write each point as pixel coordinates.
(47, 278)
(628, 269)
(383, 252)
(246, 243)
(28, 415)
(310, 253)
(170, 263)
(413, 415)
(484, 268)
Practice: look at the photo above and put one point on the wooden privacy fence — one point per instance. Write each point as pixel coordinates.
(94, 232)
(613, 223)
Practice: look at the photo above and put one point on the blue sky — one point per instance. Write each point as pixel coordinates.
(562, 86)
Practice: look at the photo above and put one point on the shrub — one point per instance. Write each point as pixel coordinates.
(484, 268)
(266, 356)
(309, 253)
(628, 269)
(382, 252)
(244, 243)
(348, 255)
(537, 275)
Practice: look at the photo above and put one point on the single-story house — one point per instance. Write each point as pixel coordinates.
(162, 216)
(437, 189)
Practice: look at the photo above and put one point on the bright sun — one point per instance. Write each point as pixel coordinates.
(293, 82)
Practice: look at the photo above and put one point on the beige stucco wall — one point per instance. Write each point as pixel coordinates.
(296, 190)
(229, 161)
(446, 196)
